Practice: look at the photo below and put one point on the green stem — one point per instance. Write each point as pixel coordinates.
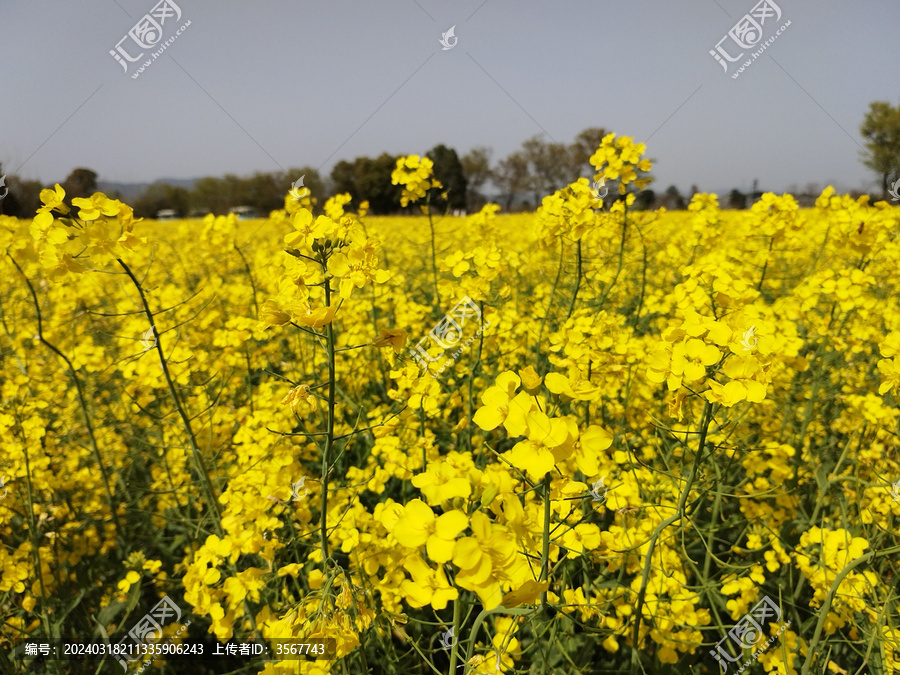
(765, 264)
(640, 306)
(249, 276)
(812, 267)
(202, 472)
(619, 266)
(645, 578)
(587, 404)
(457, 611)
(562, 250)
(329, 437)
(714, 519)
(82, 401)
(479, 620)
(820, 362)
(823, 611)
(422, 435)
(472, 374)
(35, 549)
(433, 252)
(577, 279)
(545, 548)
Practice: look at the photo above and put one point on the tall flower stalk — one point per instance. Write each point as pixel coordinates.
(330, 257)
(415, 174)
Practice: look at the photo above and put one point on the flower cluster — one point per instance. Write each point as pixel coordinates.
(414, 173)
(102, 230)
(619, 159)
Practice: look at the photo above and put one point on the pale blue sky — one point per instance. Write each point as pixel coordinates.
(262, 86)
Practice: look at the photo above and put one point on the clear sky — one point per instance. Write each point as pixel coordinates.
(275, 84)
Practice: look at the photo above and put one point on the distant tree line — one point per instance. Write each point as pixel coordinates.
(24, 196)
(519, 181)
(526, 175)
(264, 192)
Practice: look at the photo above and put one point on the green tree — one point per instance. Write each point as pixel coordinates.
(80, 183)
(881, 129)
(476, 166)
(673, 199)
(343, 178)
(159, 196)
(236, 191)
(549, 166)
(23, 197)
(368, 179)
(582, 149)
(210, 193)
(644, 200)
(265, 192)
(737, 199)
(373, 183)
(449, 171)
(512, 177)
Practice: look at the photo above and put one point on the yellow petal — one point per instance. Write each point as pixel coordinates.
(451, 524)
(416, 595)
(558, 383)
(529, 592)
(488, 418)
(467, 554)
(272, 315)
(440, 550)
(531, 381)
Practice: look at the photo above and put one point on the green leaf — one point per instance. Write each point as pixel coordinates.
(110, 612)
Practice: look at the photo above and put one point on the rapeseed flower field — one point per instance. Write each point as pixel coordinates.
(588, 439)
